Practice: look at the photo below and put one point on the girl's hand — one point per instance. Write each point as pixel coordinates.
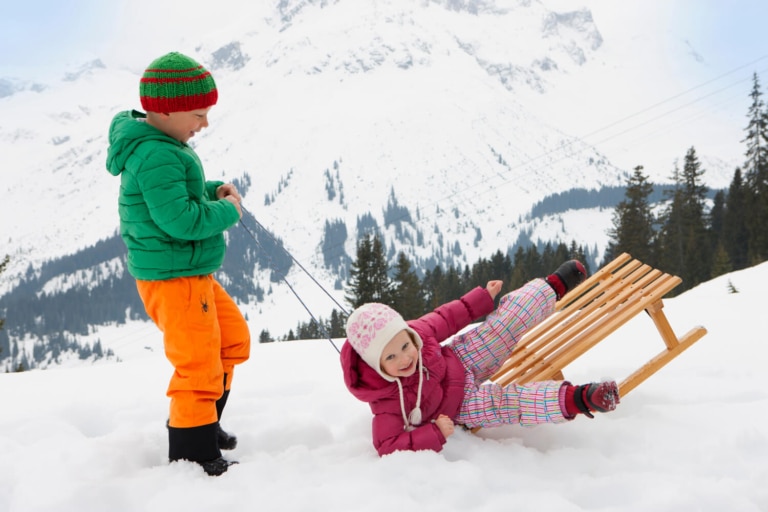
(445, 424)
(494, 287)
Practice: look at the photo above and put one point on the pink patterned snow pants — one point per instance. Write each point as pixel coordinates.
(484, 349)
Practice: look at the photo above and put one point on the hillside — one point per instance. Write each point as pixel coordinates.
(335, 118)
(691, 437)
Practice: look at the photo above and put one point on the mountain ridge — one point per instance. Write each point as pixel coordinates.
(328, 112)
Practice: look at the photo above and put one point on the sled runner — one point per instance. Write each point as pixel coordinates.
(588, 314)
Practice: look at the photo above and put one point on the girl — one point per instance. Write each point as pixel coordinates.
(419, 389)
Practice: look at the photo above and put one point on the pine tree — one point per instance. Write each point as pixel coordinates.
(517, 277)
(432, 284)
(684, 247)
(716, 218)
(576, 252)
(735, 232)
(265, 337)
(500, 268)
(3, 265)
(337, 325)
(369, 280)
(407, 295)
(452, 286)
(633, 221)
(756, 175)
(721, 264)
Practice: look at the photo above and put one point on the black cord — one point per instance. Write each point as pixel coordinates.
(285, 280)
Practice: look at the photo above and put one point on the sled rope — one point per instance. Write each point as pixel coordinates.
(285, 280)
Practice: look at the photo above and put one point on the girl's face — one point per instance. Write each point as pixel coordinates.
(400, 357)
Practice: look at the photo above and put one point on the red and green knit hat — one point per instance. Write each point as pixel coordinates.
(176, 83)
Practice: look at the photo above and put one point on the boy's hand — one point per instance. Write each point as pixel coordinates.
(235, 202)
(228, 190)
(494, 287)
(445, 424)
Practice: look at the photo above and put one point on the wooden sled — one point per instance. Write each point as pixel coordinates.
(588, 314)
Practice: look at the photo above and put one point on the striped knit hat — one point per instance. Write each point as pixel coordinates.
(176, 83)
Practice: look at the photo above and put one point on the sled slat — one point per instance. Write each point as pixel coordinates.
(589, 314)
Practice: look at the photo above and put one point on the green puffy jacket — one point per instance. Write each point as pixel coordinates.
(170, 219)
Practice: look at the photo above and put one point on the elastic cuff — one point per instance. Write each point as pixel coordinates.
(580, 399)
(561, 400)
(558, 285)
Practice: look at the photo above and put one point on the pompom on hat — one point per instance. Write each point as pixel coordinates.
(176, 83)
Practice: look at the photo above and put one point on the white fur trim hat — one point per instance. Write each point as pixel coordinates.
(370, 327)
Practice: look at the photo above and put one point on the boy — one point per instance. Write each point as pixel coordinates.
(172, 222)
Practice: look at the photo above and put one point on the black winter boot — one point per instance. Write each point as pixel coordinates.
(194, 444)
(567, 277)
(197, 444)
(226, 440)
(217, 467)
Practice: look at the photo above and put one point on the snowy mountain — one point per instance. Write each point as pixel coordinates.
(424, 121)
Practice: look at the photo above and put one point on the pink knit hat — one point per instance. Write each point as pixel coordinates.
(370, 327)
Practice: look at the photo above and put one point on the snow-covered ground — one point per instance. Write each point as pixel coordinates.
(692, 437)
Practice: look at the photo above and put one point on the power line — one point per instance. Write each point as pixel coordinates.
(500, 180)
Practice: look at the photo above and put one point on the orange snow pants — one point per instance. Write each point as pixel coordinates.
(205, 336)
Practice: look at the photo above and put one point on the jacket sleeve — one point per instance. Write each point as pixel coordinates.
(450, 318)
(164, 185)
(389, 436)
(210, 189)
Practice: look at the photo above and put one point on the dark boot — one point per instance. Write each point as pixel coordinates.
(567, 277)
(226, 441)
(589, 398)
(217, 467)
(197, 444)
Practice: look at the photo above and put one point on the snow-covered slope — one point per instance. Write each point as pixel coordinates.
(419, 101)
(332, 109)
(692, 437)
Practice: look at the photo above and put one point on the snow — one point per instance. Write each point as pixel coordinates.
(692, 437)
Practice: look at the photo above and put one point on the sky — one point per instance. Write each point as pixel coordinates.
(730, 32)
(686, 68)
(42, 38)
(91, 437)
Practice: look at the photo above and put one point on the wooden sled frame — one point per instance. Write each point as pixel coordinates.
(588, 314)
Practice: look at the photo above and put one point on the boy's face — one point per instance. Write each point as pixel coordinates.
(400, 357)
(182, 126)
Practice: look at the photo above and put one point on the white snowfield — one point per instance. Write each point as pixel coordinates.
(692, 437)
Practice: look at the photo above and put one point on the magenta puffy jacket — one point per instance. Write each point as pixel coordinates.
(443, 386)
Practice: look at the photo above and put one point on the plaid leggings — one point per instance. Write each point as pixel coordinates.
(484, 349)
